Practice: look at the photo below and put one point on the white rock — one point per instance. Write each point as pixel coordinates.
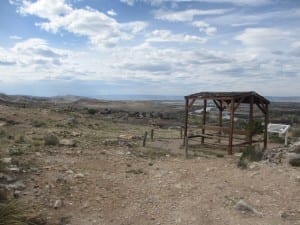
(292, 156)
(246, 207)
(70, 171)
(67, 142)
(57, 204)
(78, 175)
(6, 160)
(14, 169)
(17, 186)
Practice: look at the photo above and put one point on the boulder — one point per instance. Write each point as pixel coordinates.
(294, 159)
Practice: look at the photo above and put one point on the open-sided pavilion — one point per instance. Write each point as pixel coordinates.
(231, 102)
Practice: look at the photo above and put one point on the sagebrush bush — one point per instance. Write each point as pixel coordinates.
(51, 139)
(250, 154)
(13, 213)
(92, 111)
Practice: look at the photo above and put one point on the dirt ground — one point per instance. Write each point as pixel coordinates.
(109, 178)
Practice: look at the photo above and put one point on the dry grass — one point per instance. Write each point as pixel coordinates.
(13, 213)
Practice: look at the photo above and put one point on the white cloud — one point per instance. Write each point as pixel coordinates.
(168, 36)
(234, 2)
(111, 12)
(101, 29)
(32, 59)
(262, 36)
(15, 37)
(296, 44)
(45, 9)
(186, 15)
(128, 2)
(205, 27)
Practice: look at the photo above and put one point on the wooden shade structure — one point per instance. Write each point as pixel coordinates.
(230, 101)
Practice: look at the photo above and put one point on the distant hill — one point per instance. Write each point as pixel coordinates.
(26, 99)
(284, 99)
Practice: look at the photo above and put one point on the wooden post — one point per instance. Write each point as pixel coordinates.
(145, 138)
(220, 119)
(266, 126)
(185, 139)
(231, 127)
(251, 120)
(181, 132)
(204, 120)
(186, 144)
(152, 134)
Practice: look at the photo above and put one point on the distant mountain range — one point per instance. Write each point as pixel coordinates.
(71, 98)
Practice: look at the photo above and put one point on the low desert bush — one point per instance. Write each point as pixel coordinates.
(13, 213)
(295, 162)
(37, 123)
(92, 111)
(250, 154)
(51, 139)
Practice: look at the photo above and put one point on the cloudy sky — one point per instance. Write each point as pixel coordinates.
(159, 47)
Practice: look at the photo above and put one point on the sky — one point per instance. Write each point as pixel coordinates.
(149, 47)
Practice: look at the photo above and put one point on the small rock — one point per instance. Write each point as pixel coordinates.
(16, 193)
(297, 178)
(6, 177)
(85, 205)
(238, 154)
(57, 204)
(6, 160)
(254, 166)
(14, 169)
(67, 142)
(76, 134)
(242, 205)
(78, 175)
(294, 159)
(16, 186)
(69, 171)
(72, 121)
(293, 155)
(60, 179)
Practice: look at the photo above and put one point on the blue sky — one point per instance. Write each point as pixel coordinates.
(159, 47)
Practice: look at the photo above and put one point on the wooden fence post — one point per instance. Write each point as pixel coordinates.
(186, 143)
(145, 138)
(152, 134)
(181, 132)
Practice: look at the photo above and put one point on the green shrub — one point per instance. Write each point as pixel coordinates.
(2, 133)
(17, 213)
(92, 111)
(250, 154)
(37, 123)
(51, 139)
(13, 213)
(294, 162)
(20, 139)
(137, 171)
(255, 127)
(296, 132)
